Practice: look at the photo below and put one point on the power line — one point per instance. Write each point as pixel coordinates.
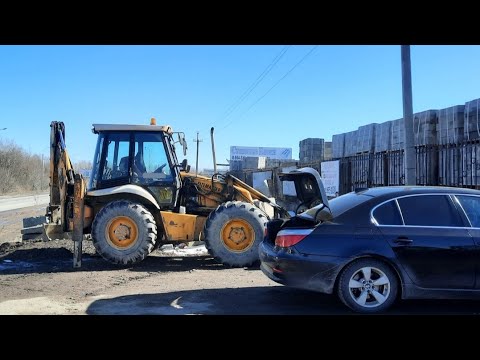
(257, 81)
(274, 85)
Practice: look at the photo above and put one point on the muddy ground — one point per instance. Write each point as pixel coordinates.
(37, 277)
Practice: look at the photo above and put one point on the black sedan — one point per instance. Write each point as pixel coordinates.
(372, 246)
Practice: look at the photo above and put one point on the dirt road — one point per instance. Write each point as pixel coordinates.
(38, 278)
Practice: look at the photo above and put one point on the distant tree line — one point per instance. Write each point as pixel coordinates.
(23, 172)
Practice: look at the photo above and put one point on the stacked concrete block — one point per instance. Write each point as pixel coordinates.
(383, 137)
(338, 146)
(366, 138)
(328, 151)
(397, 134)
(236, 165)
(350, 143)
(472, 120)
(253, 162)
(312, 149)
(425, 127)
(450, 127)
(271, 163)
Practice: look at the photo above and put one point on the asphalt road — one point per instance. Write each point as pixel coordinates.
(18, 202)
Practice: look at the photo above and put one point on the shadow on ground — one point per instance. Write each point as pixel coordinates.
(270, 300)
(54, 260)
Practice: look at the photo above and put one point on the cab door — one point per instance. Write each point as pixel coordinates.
(152, 168)
(110, 166)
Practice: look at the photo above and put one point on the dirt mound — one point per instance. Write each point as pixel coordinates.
(8, 247)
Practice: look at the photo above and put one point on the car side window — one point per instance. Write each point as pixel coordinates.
(388, 214)
(471, 205)
(429, 210)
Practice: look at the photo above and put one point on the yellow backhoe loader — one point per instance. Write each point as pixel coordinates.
(139, 196)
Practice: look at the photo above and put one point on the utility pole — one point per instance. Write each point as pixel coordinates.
(409, 158)
(198, 141)
(213, 151)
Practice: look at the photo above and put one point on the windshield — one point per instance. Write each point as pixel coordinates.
(338, 206)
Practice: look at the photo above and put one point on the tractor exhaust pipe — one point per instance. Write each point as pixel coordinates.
(213, 152)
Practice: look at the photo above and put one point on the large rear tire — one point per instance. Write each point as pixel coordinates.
(233, 233)
(124, 232)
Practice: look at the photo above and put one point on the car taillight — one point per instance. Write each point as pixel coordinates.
(286, 238)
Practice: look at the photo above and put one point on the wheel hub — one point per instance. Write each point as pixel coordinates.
(368, 285)
(122, 232)
(238, 235)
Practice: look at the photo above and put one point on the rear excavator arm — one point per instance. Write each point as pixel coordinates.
(65, 212)
(60, 209)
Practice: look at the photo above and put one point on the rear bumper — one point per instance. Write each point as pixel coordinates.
(310, 272)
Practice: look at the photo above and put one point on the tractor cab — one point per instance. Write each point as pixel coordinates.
(137, 159)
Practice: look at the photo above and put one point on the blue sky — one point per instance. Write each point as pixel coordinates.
(333, 90)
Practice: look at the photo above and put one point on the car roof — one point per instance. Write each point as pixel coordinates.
(394, 191)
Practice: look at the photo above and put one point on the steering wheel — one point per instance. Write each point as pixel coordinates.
(302, 207)
(316, 202)
(116, 174)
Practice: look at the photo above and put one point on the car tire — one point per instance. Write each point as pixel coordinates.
(368, 286)
(124, 233)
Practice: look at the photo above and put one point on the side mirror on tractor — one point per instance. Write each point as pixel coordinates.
(184, 166)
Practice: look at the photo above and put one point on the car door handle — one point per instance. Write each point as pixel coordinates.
(402, 240)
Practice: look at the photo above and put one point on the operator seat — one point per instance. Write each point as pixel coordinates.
(139, 163)
(123, 165)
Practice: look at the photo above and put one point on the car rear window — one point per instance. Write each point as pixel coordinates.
(340, 204)
(471, 205)
(388, 214)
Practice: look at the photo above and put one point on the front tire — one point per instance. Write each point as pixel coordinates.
(368, 286)
(124, 232)
(233, 233)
